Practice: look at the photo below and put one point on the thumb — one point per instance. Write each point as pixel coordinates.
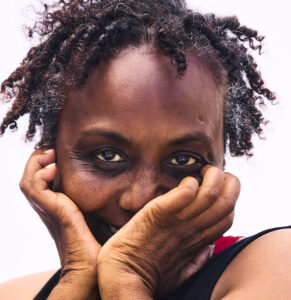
(197, 263)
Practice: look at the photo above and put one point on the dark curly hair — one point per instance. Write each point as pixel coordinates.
(76, 35)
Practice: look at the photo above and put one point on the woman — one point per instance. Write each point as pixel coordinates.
(137, 102)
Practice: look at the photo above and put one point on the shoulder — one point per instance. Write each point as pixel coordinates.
(262, 270)
(26, 287)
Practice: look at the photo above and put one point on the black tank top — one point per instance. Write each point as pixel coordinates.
(200, 286)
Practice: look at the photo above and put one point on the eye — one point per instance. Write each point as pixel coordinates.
(109, 156)
(183, 160)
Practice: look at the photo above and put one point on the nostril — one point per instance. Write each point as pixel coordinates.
(132, 204)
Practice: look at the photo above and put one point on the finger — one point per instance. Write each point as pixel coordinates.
(37, 160)
(224, 205)
(59, 207)
(208, 192)
(45, 199)
(178, 198)
(43, 177)
(214, 232)
(36, 190)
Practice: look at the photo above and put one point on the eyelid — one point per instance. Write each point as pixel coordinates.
(186, 164)
(198, 158)
(103, 149)
(115, 153)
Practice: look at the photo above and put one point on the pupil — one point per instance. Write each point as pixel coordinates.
(182, 159)
(108, 155)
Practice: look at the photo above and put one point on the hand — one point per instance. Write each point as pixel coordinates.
(157, 249)
(78, 249)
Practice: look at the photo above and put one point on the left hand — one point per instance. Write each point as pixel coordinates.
(78, 249)
(166, 241)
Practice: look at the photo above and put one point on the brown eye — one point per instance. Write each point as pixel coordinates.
(183, 160)
(109, 155)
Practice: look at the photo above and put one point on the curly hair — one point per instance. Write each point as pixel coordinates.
(76, 35)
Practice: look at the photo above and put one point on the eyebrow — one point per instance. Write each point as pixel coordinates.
(197, 137)
(104, 133)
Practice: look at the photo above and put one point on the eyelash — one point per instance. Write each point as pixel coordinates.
(94, 164)
(196, 160)
(97, 153)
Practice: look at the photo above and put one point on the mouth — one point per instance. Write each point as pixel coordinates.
(101, 230)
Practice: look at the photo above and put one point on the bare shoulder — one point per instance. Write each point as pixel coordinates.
(262, 270)
(26, 287)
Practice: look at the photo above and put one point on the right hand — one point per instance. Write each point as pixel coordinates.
(78, 249)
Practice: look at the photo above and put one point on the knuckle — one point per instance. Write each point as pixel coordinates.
(229, 202)
(32, 192)
(23, 185)
(212, 194)
(188, 190)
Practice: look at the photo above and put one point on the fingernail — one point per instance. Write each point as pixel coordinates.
(204, 254)
(49, 151)
(50, 166)
(211, 247)
(189, 180)
(204, 169)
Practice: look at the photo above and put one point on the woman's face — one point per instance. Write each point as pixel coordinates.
(134, 130)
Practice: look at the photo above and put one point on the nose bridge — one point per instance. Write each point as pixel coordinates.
(143, 187)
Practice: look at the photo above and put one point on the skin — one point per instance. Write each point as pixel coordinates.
(168, 117)
(138, 98)
(158, 203)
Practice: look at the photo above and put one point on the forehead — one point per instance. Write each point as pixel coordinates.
(141, 89)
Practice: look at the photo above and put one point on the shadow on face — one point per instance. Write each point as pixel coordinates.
(134, 130)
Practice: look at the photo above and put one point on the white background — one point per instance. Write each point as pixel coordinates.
(26, 246)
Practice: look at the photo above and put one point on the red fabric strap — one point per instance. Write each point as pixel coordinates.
(224, 242)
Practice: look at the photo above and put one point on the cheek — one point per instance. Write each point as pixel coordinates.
(89, 192)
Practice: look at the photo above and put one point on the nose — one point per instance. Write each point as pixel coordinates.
(144, 187)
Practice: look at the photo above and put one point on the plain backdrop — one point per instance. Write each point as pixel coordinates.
(26, 246)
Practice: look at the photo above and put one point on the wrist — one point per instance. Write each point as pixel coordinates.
(76, 286)
(120, 278)
(124, 287)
